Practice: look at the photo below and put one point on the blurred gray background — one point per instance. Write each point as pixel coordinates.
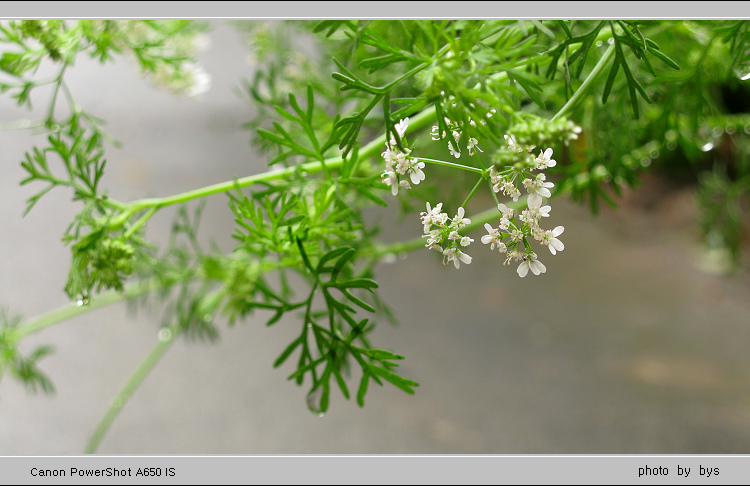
(626, 345)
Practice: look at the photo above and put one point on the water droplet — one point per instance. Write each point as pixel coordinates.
(707, 147)
(313, 401)
(82, 300)
(611, 40)
(645, 161)
(389, 258)
(654, 154)
(599, 43)
(165, 334)
(208, 318)
(730, 129)
(717, 131)
(671, 145)
(743, 72)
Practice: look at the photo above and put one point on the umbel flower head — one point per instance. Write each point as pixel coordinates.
(400, 164)
(516, 228)
(440, 229)
(513, 166)
(457, 128)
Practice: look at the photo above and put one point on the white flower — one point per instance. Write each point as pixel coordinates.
(466, 241)
(434, 237)
(454, 152)
(537, 188)
(536, 208)
(391, 179)
(455, 255)
(473, 143)
(512, 144)
(545, 160)
(494, 237)
(534, 213)
(505, 211)
(200, 81)
(513, 255)
(415, 171)
(459, 221)
(527, 216)
(433, 216)
(402, 126)
(550, 238)
(508, 188)
(530, 262)
(398, 163)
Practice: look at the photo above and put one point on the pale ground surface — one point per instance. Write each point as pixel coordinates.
(624, 346)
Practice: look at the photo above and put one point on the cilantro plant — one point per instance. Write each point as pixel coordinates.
(354, 114)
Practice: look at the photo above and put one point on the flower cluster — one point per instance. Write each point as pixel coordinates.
(513, 168)
(456, 130)
(399, 164)
(540, 131)
(527, 226)
(165, 50)
(440, 230)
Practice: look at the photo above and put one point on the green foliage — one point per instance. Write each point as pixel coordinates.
(22, 368)
(328, 97)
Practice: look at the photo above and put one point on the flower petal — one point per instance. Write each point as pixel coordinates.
(523, 269)
(534, 200)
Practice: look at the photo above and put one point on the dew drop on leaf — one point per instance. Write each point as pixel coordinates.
(743, 72)
(707, 147)
(313, 401)
(165, 334)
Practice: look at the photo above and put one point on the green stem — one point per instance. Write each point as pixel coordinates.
(140, 222)
(55, 92)
(22, 124)
(73, 309)
(451, 164)
(166, 338)
(368, 150)
(473, 191)
(583, 89)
